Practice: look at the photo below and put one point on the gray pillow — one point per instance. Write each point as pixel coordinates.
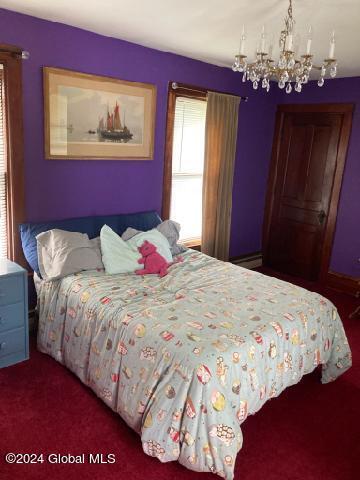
(129, 233)
(62, 253)
(170, 230)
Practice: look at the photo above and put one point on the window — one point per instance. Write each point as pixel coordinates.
(3, 209)
(188, 166)
(184, 162)
(11, 154)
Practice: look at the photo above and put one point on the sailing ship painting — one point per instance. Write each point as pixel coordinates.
(98, 117)
(112, 129)
(103, 117)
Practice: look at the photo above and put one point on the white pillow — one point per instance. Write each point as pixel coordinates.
(62, 253)
(117, 255)
(156, 238)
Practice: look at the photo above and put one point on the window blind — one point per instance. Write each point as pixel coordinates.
(189, 135)
(188, 166)
(3, 186)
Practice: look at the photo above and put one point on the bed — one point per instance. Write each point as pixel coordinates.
(184, 359)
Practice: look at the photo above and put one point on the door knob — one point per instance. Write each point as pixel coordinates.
(321, 217)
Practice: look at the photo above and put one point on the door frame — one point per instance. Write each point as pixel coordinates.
(343, 108)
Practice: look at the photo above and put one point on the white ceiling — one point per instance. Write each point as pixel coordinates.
(208, 30)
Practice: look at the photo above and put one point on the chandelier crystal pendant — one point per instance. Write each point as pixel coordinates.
(288, 71)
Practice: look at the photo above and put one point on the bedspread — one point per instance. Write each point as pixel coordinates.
(185, 358)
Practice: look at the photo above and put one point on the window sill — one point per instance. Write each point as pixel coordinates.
(194, 243)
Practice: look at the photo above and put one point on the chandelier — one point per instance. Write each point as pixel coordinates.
(288, 71)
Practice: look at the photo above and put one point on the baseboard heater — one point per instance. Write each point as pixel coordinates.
(251, 260)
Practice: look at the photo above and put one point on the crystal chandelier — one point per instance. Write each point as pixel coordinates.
(288, 70)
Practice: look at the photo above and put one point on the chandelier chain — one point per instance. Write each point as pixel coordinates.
(290, 9)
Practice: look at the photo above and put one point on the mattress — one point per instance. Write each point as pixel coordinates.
(186, 358)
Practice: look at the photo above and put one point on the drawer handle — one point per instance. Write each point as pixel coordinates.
(2, 346)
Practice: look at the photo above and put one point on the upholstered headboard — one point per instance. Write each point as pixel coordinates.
(90, 225)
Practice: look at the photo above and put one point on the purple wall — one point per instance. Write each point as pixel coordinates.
(60, 189)
(346, 247)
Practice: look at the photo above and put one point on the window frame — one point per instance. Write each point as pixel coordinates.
(11, 58)
(182, 90)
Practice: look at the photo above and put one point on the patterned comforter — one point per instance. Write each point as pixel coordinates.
(184, 359)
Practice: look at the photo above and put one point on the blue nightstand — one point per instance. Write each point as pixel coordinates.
(14, 329)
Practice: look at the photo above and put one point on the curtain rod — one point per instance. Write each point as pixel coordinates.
(175, 86)
(15, 51)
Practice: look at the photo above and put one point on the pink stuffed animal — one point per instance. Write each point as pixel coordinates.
(152, 260)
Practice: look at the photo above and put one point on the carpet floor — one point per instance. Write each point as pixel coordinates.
(310, 432)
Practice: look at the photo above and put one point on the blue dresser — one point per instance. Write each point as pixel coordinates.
(14, 330)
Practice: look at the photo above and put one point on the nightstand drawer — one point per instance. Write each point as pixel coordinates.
(11, 289)
(12, 342)
(11, 316)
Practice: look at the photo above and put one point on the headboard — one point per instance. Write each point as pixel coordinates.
(90, 225)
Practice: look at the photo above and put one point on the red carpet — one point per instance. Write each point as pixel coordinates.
(310, 432)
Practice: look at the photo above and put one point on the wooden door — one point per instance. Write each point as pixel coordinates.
(307, 165)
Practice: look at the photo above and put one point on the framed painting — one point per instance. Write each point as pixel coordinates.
(94, 117)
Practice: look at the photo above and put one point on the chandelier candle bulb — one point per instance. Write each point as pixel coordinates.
(309, 41)
(263, 40)
(332, 46)
(271, 50)
(297, 43)
(289, 42)
(242, 41)
(242, 48)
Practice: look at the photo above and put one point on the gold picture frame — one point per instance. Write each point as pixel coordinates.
(91, 117)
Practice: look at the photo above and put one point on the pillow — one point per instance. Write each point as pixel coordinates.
(129, 233)
(169, 228)
(117, 255)
(90, 225)
(62, 253)
(156, 238)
